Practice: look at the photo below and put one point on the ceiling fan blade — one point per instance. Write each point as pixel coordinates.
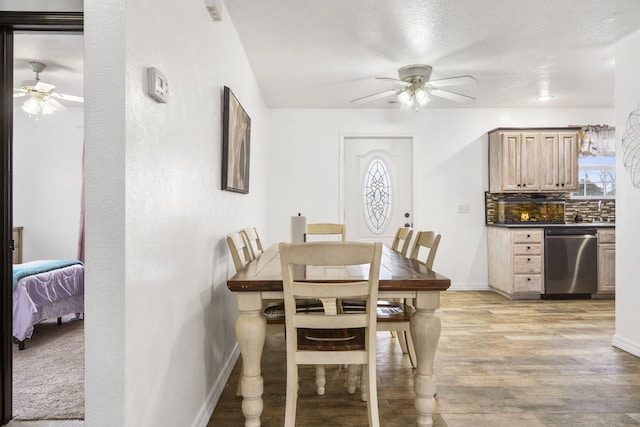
(451, 95)
(55, 103)
(375, 96)
(400, 82)
(451, 81)
(67, 97)
(19, 92)
(43, 87)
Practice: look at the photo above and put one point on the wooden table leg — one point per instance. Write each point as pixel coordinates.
(250, 331)
(425, 331)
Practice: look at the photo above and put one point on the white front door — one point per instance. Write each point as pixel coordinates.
(377, 187)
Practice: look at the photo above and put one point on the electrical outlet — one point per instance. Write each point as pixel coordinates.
(464, 209)
(157, 85)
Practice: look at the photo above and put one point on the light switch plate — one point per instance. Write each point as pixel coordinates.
(157, 85)
(464, 209)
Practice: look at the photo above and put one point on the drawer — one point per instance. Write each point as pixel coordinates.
(528, 283)
(606, 236)
(527, 236)
(527, 249)
(527, 264)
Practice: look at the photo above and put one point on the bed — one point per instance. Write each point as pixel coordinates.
(46, 289)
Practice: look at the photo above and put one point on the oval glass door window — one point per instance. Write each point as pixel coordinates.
(377, 196)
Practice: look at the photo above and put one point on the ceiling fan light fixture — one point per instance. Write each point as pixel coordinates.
(421, 96)
(31, 106)
(46, 107)
(417, 87)
(38, 105)
(405, 97)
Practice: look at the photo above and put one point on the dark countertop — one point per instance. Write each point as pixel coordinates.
(543, 225)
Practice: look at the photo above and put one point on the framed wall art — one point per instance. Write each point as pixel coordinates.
(236, 137)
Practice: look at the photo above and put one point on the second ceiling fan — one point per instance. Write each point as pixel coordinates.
(416, 87)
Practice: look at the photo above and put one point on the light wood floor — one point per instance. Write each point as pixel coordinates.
(499, 363)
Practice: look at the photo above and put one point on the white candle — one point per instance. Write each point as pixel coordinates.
(298, 228)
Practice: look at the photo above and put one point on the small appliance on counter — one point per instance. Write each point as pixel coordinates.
(516, 211)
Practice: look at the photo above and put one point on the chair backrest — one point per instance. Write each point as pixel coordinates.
(403, 235)
(240, 251)
(328, 229)
(329, 254)
(253, 241)
(429, 240)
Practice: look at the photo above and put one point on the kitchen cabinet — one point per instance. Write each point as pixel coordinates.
(513, 158)
(516, 261)
(533, 160)
(606, 262)
(559, 161)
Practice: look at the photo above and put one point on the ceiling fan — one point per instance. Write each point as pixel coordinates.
(42, 98)
(416, 87)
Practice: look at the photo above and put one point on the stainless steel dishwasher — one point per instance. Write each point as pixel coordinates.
(570, 261)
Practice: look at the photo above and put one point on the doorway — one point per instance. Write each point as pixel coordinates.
(11, 22)
(377, 187)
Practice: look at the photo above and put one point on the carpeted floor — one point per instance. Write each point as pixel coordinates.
(48, 375)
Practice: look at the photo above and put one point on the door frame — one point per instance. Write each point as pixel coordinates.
(60, 22)
(343, 137)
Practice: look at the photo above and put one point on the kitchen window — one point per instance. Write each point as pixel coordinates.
(597, 163)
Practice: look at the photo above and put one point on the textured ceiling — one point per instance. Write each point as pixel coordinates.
(324, 53)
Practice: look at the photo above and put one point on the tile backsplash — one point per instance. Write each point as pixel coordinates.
(587, 208)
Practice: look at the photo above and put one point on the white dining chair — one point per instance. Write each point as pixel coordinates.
(327, 229)
(334, 337)
(253, 241)
(239, 248)
(402, 239)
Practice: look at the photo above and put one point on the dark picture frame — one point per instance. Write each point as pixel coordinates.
(236, 144)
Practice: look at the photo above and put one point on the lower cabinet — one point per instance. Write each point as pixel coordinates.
(606, 262)
(516, 261)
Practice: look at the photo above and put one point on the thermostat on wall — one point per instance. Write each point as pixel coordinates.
(157, 85)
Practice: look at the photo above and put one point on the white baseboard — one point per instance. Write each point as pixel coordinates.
(469, 287)
(626, 345)
(205, 412)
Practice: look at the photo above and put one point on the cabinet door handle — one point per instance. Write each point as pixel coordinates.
(528, 259)
(528, 279)
(528, 247)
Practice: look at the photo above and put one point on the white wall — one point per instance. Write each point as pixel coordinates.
(627, 335)
(451, 168)
(160, 339)
(42, 5)
(47, 181)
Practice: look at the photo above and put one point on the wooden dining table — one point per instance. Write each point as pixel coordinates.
(400, 277)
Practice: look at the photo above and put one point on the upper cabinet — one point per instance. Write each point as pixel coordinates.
(533, 160)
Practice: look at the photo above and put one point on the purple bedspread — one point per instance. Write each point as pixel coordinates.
(47, 295)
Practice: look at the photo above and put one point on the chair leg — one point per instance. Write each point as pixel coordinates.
(320, 379)
(291, 395)
(352, 378)
(363, 383)
(402, 341)
(369, 376)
